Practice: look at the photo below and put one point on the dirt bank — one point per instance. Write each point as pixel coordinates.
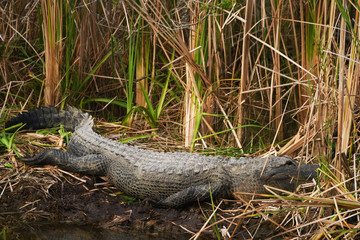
(48, 195)
(32, 196)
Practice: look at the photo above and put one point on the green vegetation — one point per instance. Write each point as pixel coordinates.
(3, 234)
(279, 77)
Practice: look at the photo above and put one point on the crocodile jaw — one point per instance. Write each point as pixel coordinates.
(279, 172)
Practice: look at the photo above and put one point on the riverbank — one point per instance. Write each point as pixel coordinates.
(37, 196)
(43, 196)
(50, 195)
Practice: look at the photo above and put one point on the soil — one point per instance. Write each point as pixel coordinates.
(47, 195)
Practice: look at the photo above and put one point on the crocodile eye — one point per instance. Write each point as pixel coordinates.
(289, 163)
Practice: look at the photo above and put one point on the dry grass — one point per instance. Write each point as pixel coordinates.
(276, 77)
(52, 29)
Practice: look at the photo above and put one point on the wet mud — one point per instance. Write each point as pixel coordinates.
(38, 200)
(66, 231)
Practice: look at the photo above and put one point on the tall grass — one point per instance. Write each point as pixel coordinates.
(52, 31)
(278, 77)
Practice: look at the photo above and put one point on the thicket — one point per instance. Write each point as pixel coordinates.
(265, 77)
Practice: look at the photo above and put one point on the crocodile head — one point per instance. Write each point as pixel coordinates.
(288, 174)
(280, 172)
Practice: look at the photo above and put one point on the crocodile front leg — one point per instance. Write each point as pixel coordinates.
(94, 164)
(192, 194)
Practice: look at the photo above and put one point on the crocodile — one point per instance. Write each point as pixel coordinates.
(169, 179)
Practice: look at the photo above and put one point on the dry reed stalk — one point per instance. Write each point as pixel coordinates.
(340, 149)
(301, 92)
(275, 78)
(189, 108)
(326, 80)
(190, 83)
(292, 16)
(213, 67)
(52, 28)
(141, 71)
(350, 90)
(244, 67)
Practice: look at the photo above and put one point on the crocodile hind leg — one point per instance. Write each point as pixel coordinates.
(191, 194)
(94, 164)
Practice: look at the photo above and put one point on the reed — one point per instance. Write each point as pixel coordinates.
(52, 29)
(265, 77)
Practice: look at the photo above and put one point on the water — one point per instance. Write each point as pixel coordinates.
(73, 232)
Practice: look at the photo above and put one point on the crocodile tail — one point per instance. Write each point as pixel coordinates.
(47, 117)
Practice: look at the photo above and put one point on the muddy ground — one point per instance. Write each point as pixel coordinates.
(38, 196)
